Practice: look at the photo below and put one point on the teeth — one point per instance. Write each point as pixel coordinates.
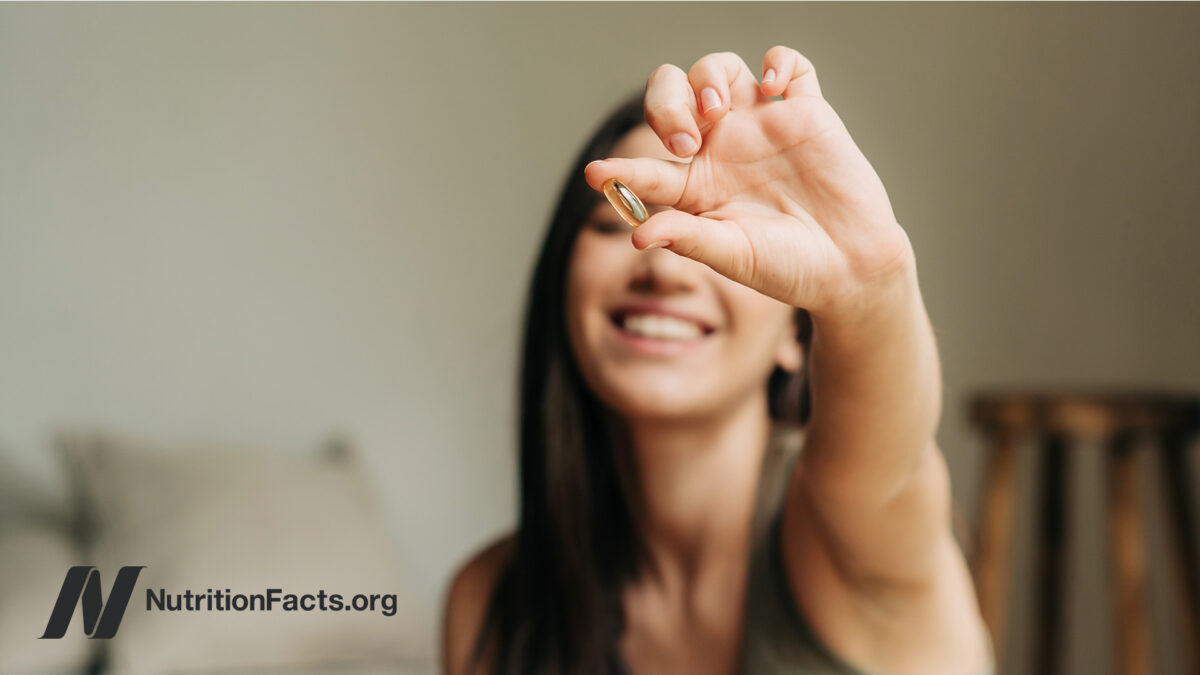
(661, 327)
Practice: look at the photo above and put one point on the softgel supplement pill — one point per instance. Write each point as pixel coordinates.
(625, 202)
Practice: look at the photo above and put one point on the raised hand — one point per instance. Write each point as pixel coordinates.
(776, 196)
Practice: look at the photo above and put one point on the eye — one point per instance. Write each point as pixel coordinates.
(609, 227)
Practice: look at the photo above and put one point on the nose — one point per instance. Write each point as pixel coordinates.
(658, 270)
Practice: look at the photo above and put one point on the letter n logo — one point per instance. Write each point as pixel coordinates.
(100, 619)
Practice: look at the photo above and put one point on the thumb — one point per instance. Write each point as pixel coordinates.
(720, 244)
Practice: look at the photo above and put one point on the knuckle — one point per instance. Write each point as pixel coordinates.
(662, 72)
(784, 54)
(667, 114)
(653, 181)
(777, 55)
(733, 64)
(803, 65)
(709, 64)
(800, 63)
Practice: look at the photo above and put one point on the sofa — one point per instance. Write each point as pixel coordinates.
(200, 525)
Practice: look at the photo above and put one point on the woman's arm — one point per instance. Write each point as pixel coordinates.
(866, 537)
(871, 466)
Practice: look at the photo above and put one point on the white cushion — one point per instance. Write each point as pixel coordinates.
(201, 517)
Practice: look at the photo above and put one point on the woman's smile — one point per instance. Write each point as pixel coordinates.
(658, 329)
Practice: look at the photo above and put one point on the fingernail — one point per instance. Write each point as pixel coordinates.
(683, 144)
(657, 244)
(769, 76)
(709, 99)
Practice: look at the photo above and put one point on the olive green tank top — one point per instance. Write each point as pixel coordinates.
(777, 638)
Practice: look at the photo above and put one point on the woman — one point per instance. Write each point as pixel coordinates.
(665, 525)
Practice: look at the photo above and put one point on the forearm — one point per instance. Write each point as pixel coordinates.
(876, 391)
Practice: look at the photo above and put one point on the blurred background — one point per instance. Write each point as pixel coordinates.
(268, 226)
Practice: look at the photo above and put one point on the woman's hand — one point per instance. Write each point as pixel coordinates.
(777, 196)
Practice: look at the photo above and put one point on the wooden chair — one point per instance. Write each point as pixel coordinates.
(1117, 422)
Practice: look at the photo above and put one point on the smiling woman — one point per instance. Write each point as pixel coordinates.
(683, 506)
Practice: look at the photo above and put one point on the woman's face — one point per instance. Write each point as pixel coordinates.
(661, 336)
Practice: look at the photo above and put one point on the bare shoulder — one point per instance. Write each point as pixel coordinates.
(466, 602)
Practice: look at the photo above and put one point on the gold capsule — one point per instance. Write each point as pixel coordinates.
(625, 202)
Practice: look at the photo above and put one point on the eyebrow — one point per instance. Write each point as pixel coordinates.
(603, 211)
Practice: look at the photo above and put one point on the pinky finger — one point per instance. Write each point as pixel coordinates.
(788, 73)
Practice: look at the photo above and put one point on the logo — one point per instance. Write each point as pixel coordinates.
(82, 586)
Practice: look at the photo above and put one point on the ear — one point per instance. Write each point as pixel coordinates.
(790, 354)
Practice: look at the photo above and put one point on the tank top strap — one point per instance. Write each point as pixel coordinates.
(777, 637)
(783, 448)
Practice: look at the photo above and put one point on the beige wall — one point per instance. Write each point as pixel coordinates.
(268, 222)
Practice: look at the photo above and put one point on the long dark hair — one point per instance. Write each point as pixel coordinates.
(556, 607)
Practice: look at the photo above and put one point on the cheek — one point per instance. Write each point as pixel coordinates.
(581, 267)
(760, 325)
(586, 287)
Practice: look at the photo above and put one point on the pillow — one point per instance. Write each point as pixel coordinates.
(222, 521)
(34, 557)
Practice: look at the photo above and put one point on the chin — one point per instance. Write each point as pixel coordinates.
(635, 398)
